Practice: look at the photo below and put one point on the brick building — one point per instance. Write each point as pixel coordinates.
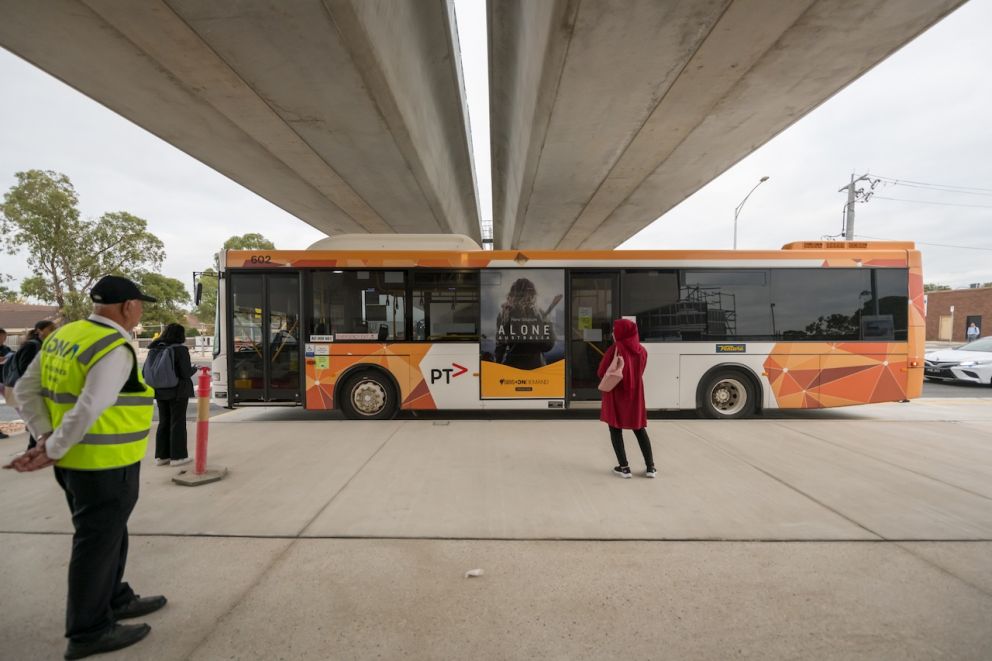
(969, 305)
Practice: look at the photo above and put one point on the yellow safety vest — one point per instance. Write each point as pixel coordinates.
(119, 437)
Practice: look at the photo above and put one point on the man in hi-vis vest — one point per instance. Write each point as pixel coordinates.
(85, 401)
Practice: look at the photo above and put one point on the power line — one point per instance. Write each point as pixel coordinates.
(940, 204)
(936, 189)
(926, 243)
(923, 184)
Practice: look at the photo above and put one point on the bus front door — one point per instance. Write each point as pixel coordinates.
(265, 344)
(595, 303)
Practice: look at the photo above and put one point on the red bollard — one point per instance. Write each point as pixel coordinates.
(201, 474)
(202, 420)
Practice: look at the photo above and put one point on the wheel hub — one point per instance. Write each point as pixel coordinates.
(369, 397)
(729, 396)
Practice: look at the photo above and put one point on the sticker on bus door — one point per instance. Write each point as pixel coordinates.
(522, 351)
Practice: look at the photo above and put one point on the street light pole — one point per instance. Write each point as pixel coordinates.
(737, 210)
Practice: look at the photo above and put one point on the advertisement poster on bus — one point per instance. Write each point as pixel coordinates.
(523, 334)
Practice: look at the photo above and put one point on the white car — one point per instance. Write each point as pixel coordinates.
(971, 362)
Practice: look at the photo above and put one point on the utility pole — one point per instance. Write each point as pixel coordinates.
(849, 215)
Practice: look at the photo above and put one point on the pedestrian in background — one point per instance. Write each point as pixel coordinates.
(22, 360)
(5, 352)
(973, 332)
(173, 384)
(85, 401)
(623, 406)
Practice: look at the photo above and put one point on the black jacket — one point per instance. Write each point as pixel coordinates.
(25, 354)
(184, 370)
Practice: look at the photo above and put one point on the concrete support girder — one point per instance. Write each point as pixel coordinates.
(349, 114)
(607, 114)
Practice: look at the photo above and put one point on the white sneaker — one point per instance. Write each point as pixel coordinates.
(181, 462)
(161, 462)
(651, 472)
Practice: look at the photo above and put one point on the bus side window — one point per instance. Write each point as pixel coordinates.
(445, 306)
(362, 305)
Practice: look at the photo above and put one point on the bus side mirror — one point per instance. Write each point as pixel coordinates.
(198, 295)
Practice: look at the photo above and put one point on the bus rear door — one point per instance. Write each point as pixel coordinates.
(594, 298)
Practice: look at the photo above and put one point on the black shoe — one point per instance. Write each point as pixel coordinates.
(117, 637)
(139, 606)
(622, 471)
(2, 435)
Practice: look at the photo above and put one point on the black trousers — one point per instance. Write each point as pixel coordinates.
(170, 438)
(616, 437)
(101, 502)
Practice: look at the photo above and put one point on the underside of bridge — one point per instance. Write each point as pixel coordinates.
(607, 113)
(346, 113)
(351, 114)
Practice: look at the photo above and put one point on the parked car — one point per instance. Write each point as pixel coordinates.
(971, 362)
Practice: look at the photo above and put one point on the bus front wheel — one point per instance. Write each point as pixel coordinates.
(728, 395)
(368, 396)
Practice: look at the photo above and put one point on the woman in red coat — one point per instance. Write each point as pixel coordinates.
(623, 407)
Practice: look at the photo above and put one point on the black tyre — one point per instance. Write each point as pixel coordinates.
(728, 394)
(369, 395)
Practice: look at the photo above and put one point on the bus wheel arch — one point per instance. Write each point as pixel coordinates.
(729, 391)
(367, 392)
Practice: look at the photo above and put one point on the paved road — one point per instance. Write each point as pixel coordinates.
(7, 413)
(855, 534)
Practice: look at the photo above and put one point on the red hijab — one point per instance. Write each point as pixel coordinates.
(623, 407)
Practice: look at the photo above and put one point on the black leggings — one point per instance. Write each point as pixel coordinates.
(616, 437)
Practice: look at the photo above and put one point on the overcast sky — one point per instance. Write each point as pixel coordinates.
(922, 115)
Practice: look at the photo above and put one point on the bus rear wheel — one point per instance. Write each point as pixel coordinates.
(728, 395)
(368, 396)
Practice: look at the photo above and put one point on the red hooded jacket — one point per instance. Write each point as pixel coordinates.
(623, 407)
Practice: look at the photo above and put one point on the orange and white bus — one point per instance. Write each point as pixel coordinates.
(372, 325)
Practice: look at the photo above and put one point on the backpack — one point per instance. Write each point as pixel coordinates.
(159, 369)
(10, 373)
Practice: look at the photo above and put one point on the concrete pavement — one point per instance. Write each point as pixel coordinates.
(851, 533)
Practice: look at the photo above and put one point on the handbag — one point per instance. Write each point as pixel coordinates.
(613, 375)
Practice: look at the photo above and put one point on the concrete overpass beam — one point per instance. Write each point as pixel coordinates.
(311, 105)
(607, 114)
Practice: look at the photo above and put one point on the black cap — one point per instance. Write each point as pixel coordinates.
(115, 289)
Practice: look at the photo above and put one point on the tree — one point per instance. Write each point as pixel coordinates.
(171, 295)
(40, 215)
(930, 286)
(8, 295)
(251, 241)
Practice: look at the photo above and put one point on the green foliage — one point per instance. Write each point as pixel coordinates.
(930, 286)
(192, 332)
(40, 216)
(8, 295)
(251, 241)
(171, 294)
